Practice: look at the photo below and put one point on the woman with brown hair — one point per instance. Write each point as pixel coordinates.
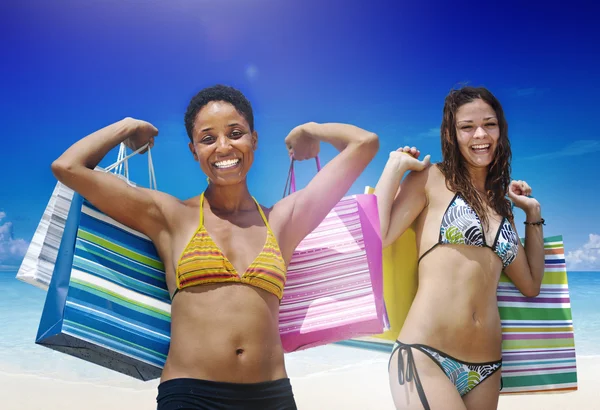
(466, 237)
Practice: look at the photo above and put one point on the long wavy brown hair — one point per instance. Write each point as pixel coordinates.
(453, 166)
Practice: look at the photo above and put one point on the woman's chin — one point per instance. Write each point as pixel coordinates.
(227, 180)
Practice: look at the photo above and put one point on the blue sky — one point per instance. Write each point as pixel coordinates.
(74, 67)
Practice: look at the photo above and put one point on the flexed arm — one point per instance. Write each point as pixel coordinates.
(135, 207)
(309, 206)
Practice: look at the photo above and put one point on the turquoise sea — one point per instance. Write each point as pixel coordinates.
(21, 305)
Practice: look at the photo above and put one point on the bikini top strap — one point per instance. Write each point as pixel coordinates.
(201, 217)
(262, 214)
(260, 210)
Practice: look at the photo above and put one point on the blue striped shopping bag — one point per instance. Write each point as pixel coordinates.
(107, 302)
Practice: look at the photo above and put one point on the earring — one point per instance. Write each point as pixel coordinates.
(208, 180)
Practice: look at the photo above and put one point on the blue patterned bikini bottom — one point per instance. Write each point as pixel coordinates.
(465, 376)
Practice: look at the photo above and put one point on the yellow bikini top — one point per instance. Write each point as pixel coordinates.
(202, 262)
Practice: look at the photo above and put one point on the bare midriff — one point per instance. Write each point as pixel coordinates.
(455, 309)
(226, 333)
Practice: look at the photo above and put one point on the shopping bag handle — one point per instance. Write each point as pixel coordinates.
(290, 183)
(122, 164)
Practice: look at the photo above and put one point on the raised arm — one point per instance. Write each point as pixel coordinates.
(135, 207)
(527, 270)
(400, 204)
(309, 206)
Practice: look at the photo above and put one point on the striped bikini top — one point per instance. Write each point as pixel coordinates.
(202, 262)
(461, 226)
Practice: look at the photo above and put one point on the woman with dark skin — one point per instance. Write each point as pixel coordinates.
(449, 351)
(225, 350)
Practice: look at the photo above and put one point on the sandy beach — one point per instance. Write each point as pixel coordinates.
(362, 387)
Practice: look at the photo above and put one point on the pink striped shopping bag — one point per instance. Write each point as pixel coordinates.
(334, 287)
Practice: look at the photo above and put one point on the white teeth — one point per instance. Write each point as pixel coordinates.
(228, 163)
(481, 146)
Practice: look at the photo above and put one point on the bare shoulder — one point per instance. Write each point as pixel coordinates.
(433, 178)
(166, 202)
(174, 210)
(436, 188)
(182, 206)
(428, 182)
(279, 217)
(422, 180)
(280, 212)
(433, 172)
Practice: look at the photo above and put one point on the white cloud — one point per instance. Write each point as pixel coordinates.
(575, 148)
(587, 257)
(11, 250)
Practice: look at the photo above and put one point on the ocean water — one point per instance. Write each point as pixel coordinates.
(21, 305)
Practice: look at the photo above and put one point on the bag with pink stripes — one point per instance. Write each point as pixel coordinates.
(334, 287)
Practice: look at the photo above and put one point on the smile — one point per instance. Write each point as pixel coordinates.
(228, 163)
(481, 148)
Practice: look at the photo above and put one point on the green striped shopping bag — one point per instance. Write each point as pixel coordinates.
(538, 348)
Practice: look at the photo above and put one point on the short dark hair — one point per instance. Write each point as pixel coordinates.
(218, 92)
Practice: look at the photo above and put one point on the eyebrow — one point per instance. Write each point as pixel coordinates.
(233, 124)
(485, 119)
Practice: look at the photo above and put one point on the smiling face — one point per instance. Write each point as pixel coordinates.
(223, 143)
(476, 151)
(477, 133)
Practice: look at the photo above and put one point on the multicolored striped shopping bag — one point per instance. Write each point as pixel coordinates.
(108, 301)
(334, 286)
(538, 348)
